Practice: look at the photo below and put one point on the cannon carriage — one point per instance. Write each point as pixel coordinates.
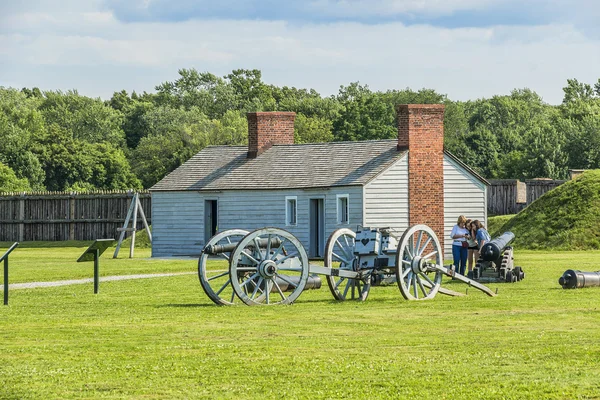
(496, 262)
(271, 266)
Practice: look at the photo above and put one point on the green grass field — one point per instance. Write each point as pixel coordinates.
(162, 338)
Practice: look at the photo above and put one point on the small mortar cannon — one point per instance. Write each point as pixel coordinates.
(574, 279)
(496, 262)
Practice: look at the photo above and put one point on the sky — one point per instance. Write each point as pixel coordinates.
(467, 49)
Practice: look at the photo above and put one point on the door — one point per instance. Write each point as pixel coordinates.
(317, 228)
(210, 219)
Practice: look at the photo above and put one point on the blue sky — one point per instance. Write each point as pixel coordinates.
(465, 48)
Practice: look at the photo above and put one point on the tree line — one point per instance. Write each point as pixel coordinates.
(56, 140)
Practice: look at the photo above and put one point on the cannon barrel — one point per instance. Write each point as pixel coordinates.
(288, 283)
(574, 279)
(215, 249)
(492, 250)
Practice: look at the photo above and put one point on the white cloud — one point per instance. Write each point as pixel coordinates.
(387, 8)
(103, 55)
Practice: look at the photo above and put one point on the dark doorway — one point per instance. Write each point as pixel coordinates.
(317, 228)
(210, 219)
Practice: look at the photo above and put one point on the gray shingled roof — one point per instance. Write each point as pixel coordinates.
(283, 166)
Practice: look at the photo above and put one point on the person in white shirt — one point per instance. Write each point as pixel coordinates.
(460, 246)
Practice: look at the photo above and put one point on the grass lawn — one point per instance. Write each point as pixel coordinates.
(162, 337)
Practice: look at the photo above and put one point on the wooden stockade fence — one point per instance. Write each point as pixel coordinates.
(56, 216)
(509, 196)
(536, 188)
(506, 196)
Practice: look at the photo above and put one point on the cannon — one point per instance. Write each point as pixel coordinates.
(270, 265)
(496, 262)
(574, 279)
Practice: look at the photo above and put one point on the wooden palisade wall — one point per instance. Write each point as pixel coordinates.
(56, 216)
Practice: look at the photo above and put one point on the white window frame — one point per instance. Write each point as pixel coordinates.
(338, 211)
(288, 200)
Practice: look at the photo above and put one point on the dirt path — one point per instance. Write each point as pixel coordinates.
(33, 285)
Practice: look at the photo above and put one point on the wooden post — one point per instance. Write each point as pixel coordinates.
(144, 220)
(72, 217)
(134, 202)
(123, 230)
(22, 217)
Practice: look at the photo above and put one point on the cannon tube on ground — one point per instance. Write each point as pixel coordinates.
(492, 250)
(574, 279)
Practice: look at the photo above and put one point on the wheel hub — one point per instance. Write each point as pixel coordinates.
(267, 269)
(418, 265)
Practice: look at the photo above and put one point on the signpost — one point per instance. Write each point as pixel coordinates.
(5, 259)
(93, 253)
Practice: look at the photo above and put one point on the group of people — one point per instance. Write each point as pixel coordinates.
(468, 238)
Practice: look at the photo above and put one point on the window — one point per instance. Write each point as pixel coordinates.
(343, 216)
(291, 210)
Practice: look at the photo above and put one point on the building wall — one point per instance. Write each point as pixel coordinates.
(386, 198)
(463, 195)
(179, 227)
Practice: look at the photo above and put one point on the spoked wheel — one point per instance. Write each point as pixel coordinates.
(215, 278)
(339, 254)
(263, 262)
(419, 248)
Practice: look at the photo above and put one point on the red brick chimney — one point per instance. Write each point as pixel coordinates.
(421, 132)
(268, 128)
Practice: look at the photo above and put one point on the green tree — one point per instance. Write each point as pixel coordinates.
(84, 118)
(9, 181)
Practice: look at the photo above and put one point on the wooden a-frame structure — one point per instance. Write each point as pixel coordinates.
(134, 208)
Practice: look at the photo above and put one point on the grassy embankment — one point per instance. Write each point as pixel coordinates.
(162, 338)
(565, 218)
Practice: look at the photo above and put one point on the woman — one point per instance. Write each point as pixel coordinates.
(460, 246)
(482, 235)
(473, 253)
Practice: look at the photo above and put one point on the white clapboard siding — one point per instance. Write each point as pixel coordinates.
(386, 198)
(179, 225)
(464, 195)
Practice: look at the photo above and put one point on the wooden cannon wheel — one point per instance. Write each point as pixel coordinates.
(419, 247)
(255, 270)
(216, 282)
(339, 254)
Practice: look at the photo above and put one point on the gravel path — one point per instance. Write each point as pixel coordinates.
(33, 285)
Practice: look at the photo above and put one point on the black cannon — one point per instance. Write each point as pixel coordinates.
(496, 261)
(574, 279)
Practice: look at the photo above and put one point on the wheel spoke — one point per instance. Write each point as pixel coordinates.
(424, 246)
(218, 276)
(428, 280)
(225, 256)
(278, 289)
(406, 272)
(421, 285)
(224, 286)
(406, 262)
(246, 269)
(249, 280)
(338, 283)
(286, 257)
(278, 249)
(419, 240)
(350, 282)
(286, 280)
(340, 258)
(256, 288)
(414, 283)
(257, 248)
(268, 288)
(428, 256)
(254, 260)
